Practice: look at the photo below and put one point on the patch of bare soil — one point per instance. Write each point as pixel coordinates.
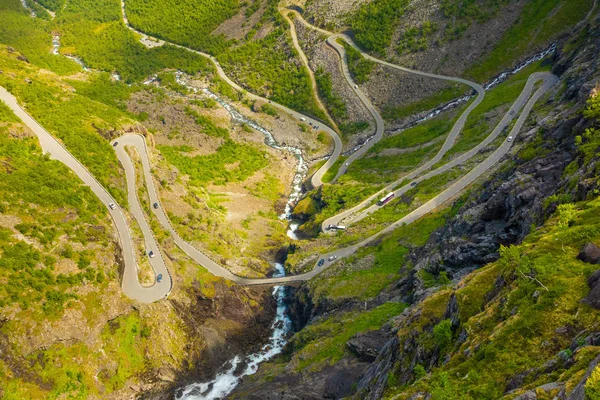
(172, 126)
(330, 13)
(238, 26)
(452, 57)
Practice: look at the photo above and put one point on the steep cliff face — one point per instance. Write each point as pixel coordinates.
(495, 293)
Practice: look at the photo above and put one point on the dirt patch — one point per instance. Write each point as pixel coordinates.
(238, 26)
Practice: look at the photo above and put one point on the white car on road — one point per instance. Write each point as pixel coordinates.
(509, 139)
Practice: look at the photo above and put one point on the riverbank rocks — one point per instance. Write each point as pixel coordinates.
(590, 253)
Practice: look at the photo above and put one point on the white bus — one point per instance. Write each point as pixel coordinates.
(386, 199)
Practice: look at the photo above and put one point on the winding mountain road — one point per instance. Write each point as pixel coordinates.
(316, 179)
(130, 283)
(525, 101)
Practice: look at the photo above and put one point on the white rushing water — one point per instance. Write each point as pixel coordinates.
(228, 379)
(301, 169)
(494, 82)
(56, 48)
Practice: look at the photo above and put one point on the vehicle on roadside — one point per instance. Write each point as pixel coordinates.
(386, 199)
(112, 206)
(509, 139)
(337, 227)
(155, 205)
(115, 144)
(302, 119)
(331, 258)
(355, 86)
(159, 278)
(414, 183)
(151, 254)
(321, 262)
(512, 112)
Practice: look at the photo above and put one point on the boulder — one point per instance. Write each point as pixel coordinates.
(367, 345)
(593, 298)
(590, 253)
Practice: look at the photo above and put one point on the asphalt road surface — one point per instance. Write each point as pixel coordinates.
(130, 283)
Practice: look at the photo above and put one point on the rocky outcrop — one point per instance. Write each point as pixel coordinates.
(367, 345)
(593, 298)
(590, 253)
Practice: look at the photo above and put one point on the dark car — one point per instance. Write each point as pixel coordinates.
(151, 254)
(321, 262)
(414, 183)
(155, 205)
(115, 144)
(159, 278)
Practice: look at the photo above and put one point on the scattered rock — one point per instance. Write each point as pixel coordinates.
(593, 298)
(21, 57)
(590, 253)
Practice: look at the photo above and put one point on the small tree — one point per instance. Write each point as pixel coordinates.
(442, 333)
(592, 385)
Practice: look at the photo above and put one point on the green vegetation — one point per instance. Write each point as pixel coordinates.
(417, 135)
(350, 128)
(208, 126)
(32, 37)
(540, 21)
(324, 342)
(233, 162)
(461, 14)
(333, 171)
(336, 106)
(187, 23)
(42, 193)
(391, 113)
(374, 23)
(478, 125)
(94, 31)
(359, 66)
(76, 120)
(415, 39)
(267, 67)
(269, 188)
(346, 282)
(52, 5)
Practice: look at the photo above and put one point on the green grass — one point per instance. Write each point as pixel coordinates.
(335, 104)
(269, 188)
(233, 162)
(323, 343)
(417, 135)
(540, 22)
(385, 169)
(332, 172)
(391, 113)
(499, 98)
